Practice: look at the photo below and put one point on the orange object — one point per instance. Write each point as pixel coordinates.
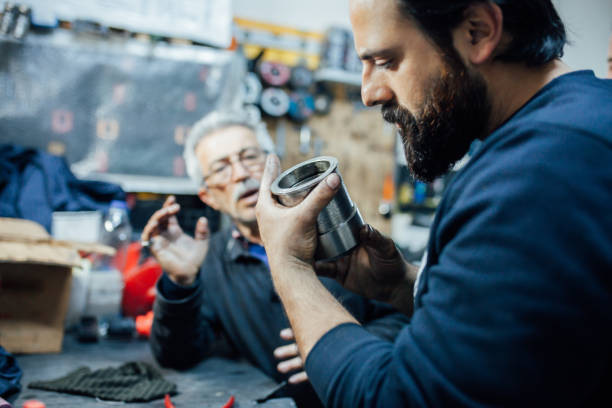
(139, 282)
(132, 256)
(388, 188)
(34, 404)
(233, 45)
(168, 402)
(144, 323)
(229, 403)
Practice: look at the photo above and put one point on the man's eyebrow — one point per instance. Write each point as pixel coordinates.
(371, 54)
(227, 158)
(220, 160)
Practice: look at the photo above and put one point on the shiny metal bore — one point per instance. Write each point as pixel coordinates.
(339, 222)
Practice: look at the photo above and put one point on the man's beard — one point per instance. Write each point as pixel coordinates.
(455, 112)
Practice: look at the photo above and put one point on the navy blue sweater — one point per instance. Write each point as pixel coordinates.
(514, 304)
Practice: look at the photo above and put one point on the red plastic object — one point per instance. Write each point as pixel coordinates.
(229, 403)
(34, 404)
(144, 323)
(132, 256)
(168, 402)
(139, 283)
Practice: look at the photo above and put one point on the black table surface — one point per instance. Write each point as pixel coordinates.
(209, 384)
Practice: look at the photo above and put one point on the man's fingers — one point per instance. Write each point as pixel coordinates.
(298, 378)
(158, 220)
(169, 201)
(372, 238)
(149, 230)
(327, 269)
(164, 213)
(290, 365)
(270, 173)
(283, 352)
(320, 196)
(287, 334)
(201, 230)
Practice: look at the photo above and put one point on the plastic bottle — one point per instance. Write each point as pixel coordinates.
(117, 232)
(105, 285)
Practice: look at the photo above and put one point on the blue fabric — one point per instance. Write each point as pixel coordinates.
(513, 305)
(10, 374)
(259, 252)
(33, 184)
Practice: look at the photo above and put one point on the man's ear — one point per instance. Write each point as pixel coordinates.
(207, 199)
(478, 38)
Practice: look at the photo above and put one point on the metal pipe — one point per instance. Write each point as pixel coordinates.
(338, 224)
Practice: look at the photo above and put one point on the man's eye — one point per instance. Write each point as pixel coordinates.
(218, 169)
(386, 63)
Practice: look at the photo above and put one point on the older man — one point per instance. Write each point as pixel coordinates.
(512, 306)
(220, 284)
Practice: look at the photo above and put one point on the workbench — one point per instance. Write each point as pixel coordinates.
(209, 384)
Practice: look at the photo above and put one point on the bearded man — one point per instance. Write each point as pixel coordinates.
(511, 305)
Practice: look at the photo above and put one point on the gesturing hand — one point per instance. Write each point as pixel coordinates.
(178, 254)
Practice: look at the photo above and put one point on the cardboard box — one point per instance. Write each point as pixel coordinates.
(35, 280)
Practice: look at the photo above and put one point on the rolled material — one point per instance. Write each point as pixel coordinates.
(338, 224)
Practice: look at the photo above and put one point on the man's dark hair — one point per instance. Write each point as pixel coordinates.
(537, 32)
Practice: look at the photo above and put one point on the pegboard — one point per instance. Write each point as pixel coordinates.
(120, 107)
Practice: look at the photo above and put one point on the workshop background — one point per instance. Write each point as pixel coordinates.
(97, 98)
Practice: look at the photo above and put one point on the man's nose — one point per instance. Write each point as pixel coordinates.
(239, 171)
(374, 90)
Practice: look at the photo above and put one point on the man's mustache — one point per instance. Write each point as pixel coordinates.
(392, 112)
(243, 187)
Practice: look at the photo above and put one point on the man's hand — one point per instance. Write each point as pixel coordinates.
(178, 254)
(290, 233)
(291, 360)
(376, 270)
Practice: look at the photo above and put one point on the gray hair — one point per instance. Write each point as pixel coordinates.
(217, 120)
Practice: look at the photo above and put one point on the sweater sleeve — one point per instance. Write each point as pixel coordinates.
(515, 306)
(185, 323)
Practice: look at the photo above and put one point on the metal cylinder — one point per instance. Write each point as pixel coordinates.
(338, 224)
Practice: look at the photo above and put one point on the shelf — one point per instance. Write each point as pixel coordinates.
(148, 184)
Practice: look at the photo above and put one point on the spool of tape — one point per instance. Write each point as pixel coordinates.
(274, 102)
(252, 88)
(301, 78)
(274, 73)
(301, 107)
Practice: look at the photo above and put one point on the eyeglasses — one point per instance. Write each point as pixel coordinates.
(251, 158)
